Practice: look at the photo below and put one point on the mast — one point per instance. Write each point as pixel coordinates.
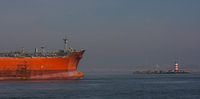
(66, 45)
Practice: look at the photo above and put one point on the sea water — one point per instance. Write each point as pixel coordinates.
(107, 86)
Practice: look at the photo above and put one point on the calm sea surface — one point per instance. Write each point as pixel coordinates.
(116, 86)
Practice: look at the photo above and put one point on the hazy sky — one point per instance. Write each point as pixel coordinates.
(117, 34)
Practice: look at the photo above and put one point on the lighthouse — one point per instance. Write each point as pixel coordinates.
(176, 67)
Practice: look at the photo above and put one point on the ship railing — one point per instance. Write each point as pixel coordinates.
(58, 53)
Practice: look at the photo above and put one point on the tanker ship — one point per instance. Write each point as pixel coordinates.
(41, 64)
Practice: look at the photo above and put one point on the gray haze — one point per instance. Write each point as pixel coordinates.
(119, 35)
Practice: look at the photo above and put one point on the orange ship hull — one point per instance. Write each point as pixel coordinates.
(41, 67)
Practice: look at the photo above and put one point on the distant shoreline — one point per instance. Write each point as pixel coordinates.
(160, 72)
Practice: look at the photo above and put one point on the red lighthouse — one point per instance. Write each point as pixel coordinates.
(176, 68)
